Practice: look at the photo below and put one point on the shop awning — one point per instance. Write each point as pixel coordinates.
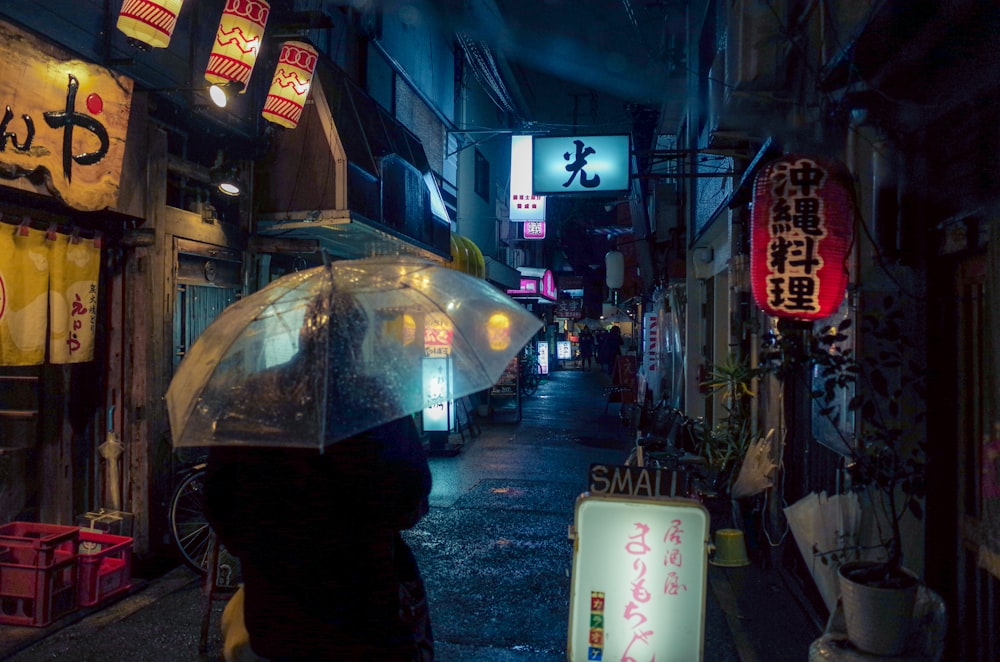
(351, 179)
(339, 233)
(466, 256)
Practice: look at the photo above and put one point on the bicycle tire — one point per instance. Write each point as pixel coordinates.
(192, 533)
(531, 379)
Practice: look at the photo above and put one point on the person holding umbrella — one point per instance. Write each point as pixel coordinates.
(327, 575)
(304, 393)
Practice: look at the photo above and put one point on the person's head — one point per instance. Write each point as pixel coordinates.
(616, 330)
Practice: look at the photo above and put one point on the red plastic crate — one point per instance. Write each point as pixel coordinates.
(104, 567)
(45, 539)
(31, 593)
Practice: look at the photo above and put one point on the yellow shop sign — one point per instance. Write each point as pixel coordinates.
(64, 122)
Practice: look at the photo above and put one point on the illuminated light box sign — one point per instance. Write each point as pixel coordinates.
(580, 164)
(564, 350)
(524, 205)
(534, 229)
(437, 379)
(537, 283)
(638, 590)
(542, 350)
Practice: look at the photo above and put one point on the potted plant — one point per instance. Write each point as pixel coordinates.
(724, 445)
(873, 401)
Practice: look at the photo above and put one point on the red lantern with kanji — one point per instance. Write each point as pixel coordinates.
(237, 42)
(801, 235)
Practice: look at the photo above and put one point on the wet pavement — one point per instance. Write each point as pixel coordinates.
(494, 551)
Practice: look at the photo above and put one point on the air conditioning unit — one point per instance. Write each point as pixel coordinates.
(512, 257)
(756, 45)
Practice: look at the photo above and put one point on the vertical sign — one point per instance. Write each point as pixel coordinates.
(542, 348)
(564, 351)
(437, 373)
(651, 350)
(524, 205)
(639, 579)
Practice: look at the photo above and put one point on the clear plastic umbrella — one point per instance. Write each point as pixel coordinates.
(323, 354)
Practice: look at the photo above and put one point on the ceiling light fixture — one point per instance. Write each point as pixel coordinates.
(219, 92)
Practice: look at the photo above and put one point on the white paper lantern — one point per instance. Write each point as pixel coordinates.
(614, 269)
(290, 85)
(237, 42)
(149, 22)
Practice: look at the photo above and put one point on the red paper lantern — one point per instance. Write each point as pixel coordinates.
(149, 22)
(801, 235)
(290, 86)
(237, 42)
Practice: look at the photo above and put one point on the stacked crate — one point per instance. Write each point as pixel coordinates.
(47, 571)
(104, 566)
(37, 572)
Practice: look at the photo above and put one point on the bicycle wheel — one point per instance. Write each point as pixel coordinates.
(188, 524)
(531, 379)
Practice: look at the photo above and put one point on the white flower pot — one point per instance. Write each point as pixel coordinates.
(878, 619)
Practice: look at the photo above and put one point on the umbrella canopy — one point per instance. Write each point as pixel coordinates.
(323, 354)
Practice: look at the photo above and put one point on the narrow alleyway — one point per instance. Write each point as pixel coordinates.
(494, 551)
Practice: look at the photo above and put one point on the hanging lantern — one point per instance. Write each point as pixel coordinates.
(290, 85)
(149, 23)
(801, 234)
(237, 42)
(498, 331)
(614, 269)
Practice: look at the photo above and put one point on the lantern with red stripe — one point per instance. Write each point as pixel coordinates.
(801, 233)
(149, 23)
(290, 85)
(237, 42)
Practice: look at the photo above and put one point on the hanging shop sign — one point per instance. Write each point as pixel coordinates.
(801, 225)
(534, 229)
(524, 205)
(580, 164)
(639, 577)
(64, 122)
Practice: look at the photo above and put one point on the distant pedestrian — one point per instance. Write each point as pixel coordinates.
(601, 347)
(586, 341)
(614, 342)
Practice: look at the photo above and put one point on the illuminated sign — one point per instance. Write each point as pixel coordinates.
(534, 229)
(564, 350)
(524, 205)
(537, 283)
(580, 164)
(65, 123)
(801, 237)
(437, 380)
(542, 349)
(639, 579)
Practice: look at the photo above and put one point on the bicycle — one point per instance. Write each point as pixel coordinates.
(665, 439)
(191, 531)
(529, 372)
